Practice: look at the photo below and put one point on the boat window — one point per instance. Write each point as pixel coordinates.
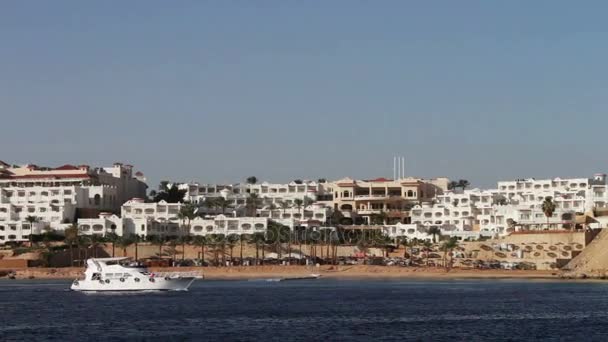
(96, 276)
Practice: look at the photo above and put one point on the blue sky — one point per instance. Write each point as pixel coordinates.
(220, 90)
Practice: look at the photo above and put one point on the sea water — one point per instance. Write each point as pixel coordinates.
(311, 310)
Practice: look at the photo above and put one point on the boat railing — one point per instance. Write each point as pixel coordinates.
(193, 274)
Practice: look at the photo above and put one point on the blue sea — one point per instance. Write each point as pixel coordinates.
(311, 310)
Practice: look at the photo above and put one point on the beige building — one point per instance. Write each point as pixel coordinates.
(365, 198)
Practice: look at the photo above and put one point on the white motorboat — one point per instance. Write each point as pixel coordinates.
(114, 274)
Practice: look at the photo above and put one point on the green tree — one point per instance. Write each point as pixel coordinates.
(284, 205)
(201, 241)
(186, 214)
(222, 203)
(453, 185)
(95, 243)
(123, 243)
(231, 241)
(243, 239)
(427, 245)
(135, 240)
(253, 203)
(259, 240)
(403, 241)
(448, 246)
(434, 231)
(548, 207)
(170, 194)
(217, 242)
(276, 235)
(463, 184)
(172, 249)
(31, 220)
(112, 238)
(158, 240)
(71, 237)
(252, 180)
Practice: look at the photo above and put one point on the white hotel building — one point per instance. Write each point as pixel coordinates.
(237, 194)
(161, 219)
(58, 196)
(514, 205)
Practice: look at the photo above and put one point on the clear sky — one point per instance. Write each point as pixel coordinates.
(220, 90)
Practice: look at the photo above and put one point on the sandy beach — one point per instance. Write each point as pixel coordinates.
(327, 271)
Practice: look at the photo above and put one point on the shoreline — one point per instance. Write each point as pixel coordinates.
(326, 271)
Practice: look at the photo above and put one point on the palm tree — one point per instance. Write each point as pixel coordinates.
(95, 242)
(135, 239)
(412, 244)
(257, 239)
(172, 249)
(253, 202)
(277, 234)
(298, 203)
(186, 213)
(71, 236)
(217, 242)
(112, 238)
(284, 205)
(448, 247)
(453, 185)
(427, 248)
(463, 183)
(123, 243)
(201, 240)
(252, 180)
(435, 231)
(243, 238)
(83, 242)
(548, 208)
(231, 241)
(403, 241)
(222, 203)
(31, 220)
(158, 240)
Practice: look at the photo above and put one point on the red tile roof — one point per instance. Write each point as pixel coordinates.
(381, 179)
(66, 167)
(49, 176)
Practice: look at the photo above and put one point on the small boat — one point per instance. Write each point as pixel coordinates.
(312, 276)
(114, 274)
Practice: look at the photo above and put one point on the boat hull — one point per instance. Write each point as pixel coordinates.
(146, 284)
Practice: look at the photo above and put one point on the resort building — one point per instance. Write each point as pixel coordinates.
(313, 215)
(364, 198)
(103, 225)
(237, 195)
(228, 225)
(56, 197)
(144, 219)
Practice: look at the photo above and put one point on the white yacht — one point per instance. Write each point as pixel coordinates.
(115, 274)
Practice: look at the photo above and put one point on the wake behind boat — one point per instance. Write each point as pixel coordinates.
(109, 274)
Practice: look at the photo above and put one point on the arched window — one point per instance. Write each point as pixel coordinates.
(97, 199)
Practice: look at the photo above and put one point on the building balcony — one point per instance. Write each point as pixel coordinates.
(369, 211)
(371, 197)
